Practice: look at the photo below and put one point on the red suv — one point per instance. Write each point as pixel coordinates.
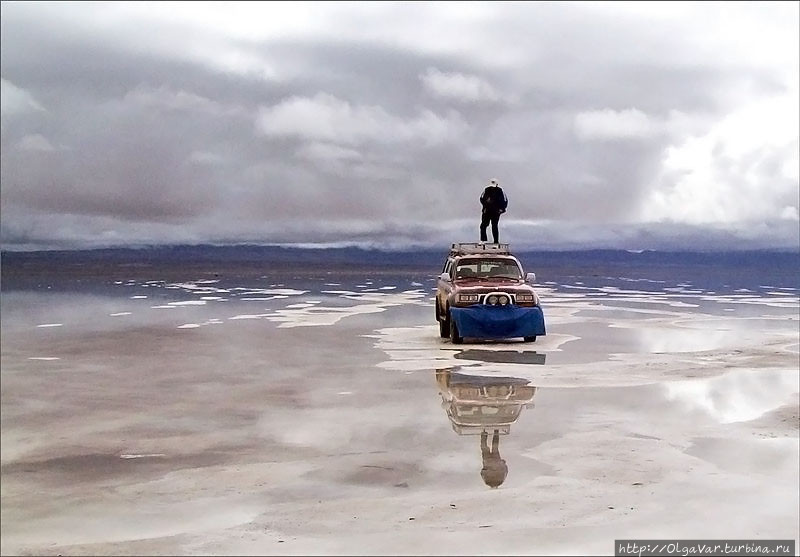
(483, 293)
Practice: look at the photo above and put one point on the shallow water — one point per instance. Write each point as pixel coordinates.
(319, 414)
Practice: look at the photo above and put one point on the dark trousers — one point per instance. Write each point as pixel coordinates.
(487, 218)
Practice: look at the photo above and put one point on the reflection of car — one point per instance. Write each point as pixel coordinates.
(476, 403)
(483, 293)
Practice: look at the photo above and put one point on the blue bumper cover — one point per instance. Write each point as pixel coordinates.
(485, 321)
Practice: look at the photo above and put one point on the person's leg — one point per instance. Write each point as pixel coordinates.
(484, 224)
(495, 231)
(484, 444)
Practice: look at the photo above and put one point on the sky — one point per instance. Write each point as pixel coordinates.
(618, 125)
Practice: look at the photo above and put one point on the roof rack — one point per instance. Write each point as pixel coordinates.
(478, 247)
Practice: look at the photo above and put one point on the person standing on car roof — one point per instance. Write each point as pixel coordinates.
(494, 202)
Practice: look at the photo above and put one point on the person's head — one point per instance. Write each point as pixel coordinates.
(495, 473)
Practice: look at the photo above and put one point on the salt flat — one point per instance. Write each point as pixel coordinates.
(318, 415)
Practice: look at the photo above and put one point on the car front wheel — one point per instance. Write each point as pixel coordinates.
(455, 336)
(444, 323)
(444, 328)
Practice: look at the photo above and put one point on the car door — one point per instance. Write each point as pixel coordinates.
(444, 287)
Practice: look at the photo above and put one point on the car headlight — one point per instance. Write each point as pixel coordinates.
(491, 300)
(467, 298)
(504, 300)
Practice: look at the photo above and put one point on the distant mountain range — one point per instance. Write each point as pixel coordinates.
(417, 258)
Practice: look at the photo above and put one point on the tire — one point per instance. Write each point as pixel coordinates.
(444, 324)
(455, 337)
(530, 339)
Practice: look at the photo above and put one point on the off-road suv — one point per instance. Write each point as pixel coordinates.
(483, 293)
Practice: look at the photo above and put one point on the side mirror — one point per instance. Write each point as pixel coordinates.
(530, 277)
(444, 277)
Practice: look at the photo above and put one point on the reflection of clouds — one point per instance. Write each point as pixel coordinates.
(736, 396)
(671, 339)
(660, 336)
(320, 429)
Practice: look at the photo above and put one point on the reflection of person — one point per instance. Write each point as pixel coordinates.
(482, 404)
(494, 203)
(494, 469)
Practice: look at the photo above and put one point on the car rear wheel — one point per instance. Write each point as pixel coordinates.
(455, 336)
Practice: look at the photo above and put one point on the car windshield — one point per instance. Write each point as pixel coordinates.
(487, 269)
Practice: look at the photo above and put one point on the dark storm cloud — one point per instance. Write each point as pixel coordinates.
(169, 132)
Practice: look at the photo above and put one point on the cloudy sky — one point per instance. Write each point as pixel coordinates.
(623, 125)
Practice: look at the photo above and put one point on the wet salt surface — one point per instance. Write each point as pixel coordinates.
(323, 417)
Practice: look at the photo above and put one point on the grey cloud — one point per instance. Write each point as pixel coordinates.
(113, 138)
(325, 117)
(14, 100)
(35, 142)
(458, 86)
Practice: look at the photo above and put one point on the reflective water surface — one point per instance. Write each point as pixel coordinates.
(324, 415)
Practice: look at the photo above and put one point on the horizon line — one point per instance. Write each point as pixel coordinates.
(367, 247)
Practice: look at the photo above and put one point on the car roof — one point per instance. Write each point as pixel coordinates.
(507, 256)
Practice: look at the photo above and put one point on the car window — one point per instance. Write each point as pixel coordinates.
(466, 271)
(488, 268)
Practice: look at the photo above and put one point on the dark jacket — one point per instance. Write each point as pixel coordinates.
(494, 201)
